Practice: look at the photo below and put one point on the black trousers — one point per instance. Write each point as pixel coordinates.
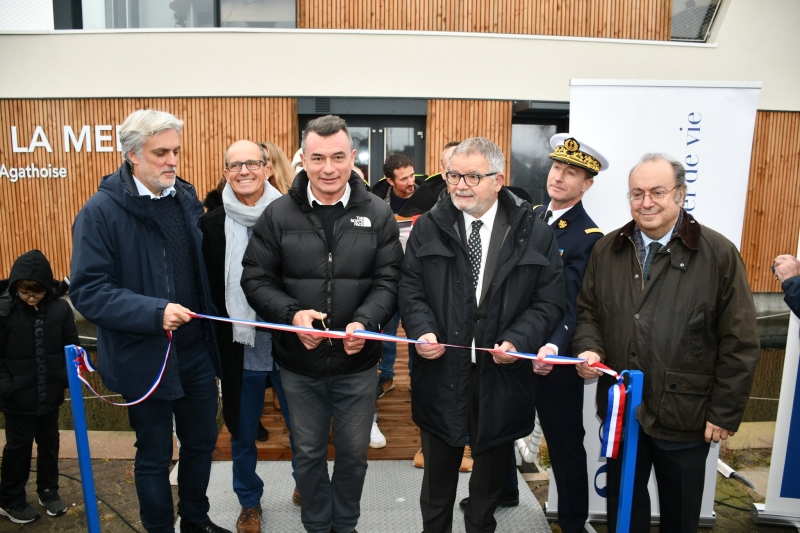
(21, 431)
(440, 480)
(559, 403)
(680, 475)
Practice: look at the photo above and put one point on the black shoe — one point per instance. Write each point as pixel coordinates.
(19, 513)
(263, 434)
(506, 500)
(205, 527)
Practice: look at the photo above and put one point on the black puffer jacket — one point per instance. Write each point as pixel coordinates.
(287, 268)
(32, 370)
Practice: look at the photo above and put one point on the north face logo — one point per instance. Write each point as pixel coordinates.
(361, 222)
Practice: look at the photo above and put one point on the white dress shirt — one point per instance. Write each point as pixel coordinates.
(144, 191)
(344, 199)
(663, 241)
(556, 213)
(486, 234)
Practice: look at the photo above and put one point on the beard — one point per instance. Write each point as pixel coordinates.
(477, 207)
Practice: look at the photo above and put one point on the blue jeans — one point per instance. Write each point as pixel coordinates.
(195, 423)
(389, 349)
(330, 503)
(277, 387)
(247, 485)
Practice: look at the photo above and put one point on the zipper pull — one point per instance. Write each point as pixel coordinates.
(330, 258)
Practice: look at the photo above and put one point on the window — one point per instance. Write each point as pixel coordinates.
(122, 14)
(258, 13)
(532, 125)
(692, 19)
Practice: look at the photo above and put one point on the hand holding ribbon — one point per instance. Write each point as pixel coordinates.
(304, 319)
(499, 353)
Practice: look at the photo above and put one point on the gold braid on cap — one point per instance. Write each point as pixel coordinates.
(570, 153)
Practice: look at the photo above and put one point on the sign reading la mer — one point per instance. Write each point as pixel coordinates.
(86, 139)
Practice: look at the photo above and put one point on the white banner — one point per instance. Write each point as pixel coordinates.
(708, 126)
(782, 505)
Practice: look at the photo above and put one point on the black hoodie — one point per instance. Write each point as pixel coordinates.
(32, 365)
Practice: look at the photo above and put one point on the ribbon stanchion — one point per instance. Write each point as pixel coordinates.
(72, 354)
(631, 439)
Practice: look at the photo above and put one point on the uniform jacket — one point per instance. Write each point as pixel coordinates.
(691, 329)
(287, 268)
(576, 234)
(33, 383)
(122, 280)
(525, 302)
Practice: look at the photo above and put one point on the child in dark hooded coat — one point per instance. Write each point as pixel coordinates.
(35, 325)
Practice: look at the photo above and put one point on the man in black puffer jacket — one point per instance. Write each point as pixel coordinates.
(35, 325)
(327, 254)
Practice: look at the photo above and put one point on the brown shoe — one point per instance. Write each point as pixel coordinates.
(419, 459)
(296, 499)
(275, 403)
(249, 520)
(466, 461)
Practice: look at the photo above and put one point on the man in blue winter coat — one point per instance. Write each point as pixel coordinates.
(137, 272)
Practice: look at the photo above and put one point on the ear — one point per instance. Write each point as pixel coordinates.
(133, 159)
(499, 181)
(683, 196)
(587, 184)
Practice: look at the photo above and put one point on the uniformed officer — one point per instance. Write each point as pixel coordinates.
(559, 391)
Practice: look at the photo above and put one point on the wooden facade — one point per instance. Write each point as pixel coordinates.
(772, 212)
(38, 212)
(617, 19)
(456, 120)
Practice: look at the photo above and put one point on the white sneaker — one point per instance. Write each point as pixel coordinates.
(376, 438)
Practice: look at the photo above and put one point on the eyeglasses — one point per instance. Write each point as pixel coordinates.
(470, 179)
(28, 295)
(656, 196)
(252, 164)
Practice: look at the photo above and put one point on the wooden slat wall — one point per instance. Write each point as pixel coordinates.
(772, 212)
(456, 120)
(621, 19)
(38, 213)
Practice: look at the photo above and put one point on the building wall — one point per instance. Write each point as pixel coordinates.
(772, 212)
(618, 19)
(456, 120)
(752, 41)
(38, 212)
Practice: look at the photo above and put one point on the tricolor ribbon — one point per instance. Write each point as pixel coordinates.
(84, 363)
(612, 428)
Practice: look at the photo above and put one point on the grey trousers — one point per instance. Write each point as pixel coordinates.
(330, 504)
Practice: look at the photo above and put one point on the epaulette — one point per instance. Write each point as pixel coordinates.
(593, 230)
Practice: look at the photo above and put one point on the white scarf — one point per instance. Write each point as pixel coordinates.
(238, 218)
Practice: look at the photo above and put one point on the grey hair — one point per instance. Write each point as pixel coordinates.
(261, 148)
(142, 124)
(677, 170)
(484, 147)
(325, 127)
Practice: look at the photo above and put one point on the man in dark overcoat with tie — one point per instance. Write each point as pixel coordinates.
(480, 271)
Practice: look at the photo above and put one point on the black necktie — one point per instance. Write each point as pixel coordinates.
(475, 250)
(652, 248)
(547, 216)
